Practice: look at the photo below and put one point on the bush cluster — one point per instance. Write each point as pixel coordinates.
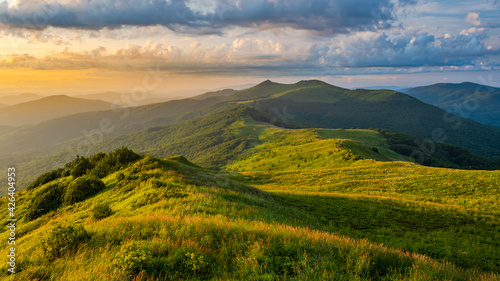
(100, 165)
(45, 200)
(82, 188)
(63, 239)
(101, 211)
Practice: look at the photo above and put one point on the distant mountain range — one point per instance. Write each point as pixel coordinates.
(467, 100)
(125, 99)
(393, 88)
(16, 99)
(37, 111)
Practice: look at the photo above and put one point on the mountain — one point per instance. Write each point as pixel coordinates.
(90, 126)
(220, 93)
(310, 103)
(468, 100)
(319, 104)
(327, 216)
(124, 99)
(37, 111)
(392, 88)
(21, 98)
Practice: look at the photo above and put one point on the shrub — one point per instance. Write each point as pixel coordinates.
(80, 166)
(94, 159)
(83, 188)
(132, 259)
(114, 161)
(375, 149)
(101, 211)
(44, 201)
(62, 240)
(124, 155)
(45, 178)
(194, 263)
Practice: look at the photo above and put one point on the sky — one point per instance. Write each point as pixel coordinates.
(164, 46)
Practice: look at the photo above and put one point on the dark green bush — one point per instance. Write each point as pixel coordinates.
(46, 200)
(94, 159)
(80, 167)
(62, 240)
(83, 188)
(101, 211)
(45, 178)
(114, 161)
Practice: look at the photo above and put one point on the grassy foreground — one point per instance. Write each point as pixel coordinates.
(169, 220)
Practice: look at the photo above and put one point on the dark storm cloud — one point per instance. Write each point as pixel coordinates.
(322, 16)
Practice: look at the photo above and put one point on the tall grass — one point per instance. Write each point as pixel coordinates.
(172, 221)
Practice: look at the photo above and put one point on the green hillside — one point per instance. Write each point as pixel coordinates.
(468, 100)
(443, 213)
(334, 107)
(217, 139)
(167, 219)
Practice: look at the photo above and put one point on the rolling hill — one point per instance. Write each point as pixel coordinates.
(164, 219)
(21, 98)
(3, 105)
(217, 139)
(37, 111)
(468, 100)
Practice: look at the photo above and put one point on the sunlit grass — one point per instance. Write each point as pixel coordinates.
(197, 225)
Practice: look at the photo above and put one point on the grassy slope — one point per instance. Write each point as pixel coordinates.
(444, 213)
(194, 224)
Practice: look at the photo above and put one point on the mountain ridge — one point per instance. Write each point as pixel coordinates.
(468, 100)
(33, 112)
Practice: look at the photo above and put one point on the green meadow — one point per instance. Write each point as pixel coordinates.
(304, 204)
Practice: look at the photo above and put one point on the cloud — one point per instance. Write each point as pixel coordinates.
(135, 57)
(473, 18)
(324, 17)
(378, 50)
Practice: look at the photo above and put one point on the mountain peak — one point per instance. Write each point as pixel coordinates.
(267, 83)
(57, 97)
